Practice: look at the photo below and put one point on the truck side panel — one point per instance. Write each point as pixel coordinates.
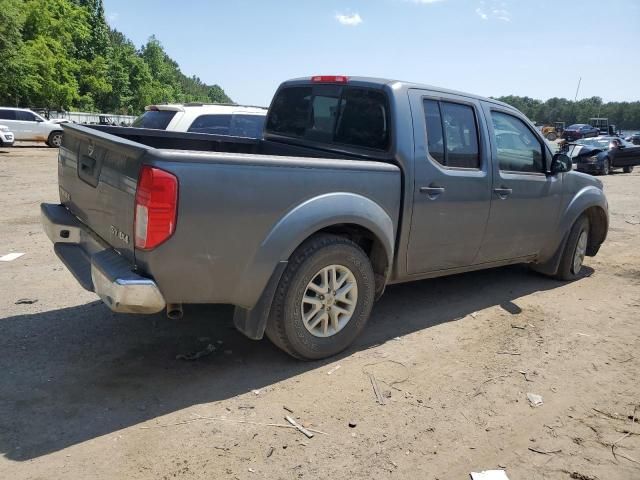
(230, 205)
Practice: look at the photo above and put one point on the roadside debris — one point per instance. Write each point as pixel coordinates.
(300, 428)
(230, 420)
(376, 389)
(270, 451)
(352, 424)
(489, 475)
(525, 373)
(337, 367)
(519, 327)
(580, 476)
(534, 399)
(508, 353)
(10, 257)
(544, 452)
(26, 301)
(287, 409)
(196, 355)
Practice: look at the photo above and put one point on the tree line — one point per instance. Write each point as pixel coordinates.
(624, 115)
(62, 55)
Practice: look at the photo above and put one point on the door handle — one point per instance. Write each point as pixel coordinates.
(432, 192)
(503, 192)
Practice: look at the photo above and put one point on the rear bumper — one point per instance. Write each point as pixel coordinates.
(97, 266)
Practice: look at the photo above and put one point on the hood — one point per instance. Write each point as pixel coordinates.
(582, 152)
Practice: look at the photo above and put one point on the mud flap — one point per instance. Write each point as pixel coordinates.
(253, 322)
(550, 267)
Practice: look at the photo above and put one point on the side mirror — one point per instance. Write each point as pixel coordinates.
(561, 163)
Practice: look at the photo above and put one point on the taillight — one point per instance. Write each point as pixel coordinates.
(156, 207)
(329, 79)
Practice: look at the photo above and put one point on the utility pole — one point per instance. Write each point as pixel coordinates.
(578, 89)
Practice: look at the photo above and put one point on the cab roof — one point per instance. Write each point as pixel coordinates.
(396, 85)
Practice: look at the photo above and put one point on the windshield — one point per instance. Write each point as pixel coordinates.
(156, 119)
(334, 114)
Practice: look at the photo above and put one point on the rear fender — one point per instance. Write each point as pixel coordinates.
(264, 270)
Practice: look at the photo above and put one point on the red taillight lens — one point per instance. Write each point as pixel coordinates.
(156, 207)
(329, 79)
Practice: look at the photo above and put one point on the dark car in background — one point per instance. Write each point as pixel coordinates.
(635, 139)
(601, 155)
(578, 131)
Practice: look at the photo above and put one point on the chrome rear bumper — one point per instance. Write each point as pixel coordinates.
(97, 266)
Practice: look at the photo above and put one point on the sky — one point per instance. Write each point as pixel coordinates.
(535, 48)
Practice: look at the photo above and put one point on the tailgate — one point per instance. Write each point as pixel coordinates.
(97, 177)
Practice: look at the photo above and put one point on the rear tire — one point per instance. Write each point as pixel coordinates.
(628, 169)
(313, 315)
(574, 251)
(55, 140)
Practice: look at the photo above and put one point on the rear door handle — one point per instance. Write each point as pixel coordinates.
(503, 192)
(432, 192)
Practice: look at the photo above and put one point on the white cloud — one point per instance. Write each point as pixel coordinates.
(349, 19)
(502, 14)
(495, 11)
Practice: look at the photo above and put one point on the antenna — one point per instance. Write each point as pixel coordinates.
(578, 89)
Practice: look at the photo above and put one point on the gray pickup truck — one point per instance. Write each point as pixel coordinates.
(357, 183)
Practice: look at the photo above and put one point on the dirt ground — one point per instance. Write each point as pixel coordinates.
(85, 393)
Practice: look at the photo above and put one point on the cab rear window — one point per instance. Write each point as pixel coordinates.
(155, 119)
(334, 114)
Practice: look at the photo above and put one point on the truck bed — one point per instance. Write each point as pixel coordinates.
(237, 209)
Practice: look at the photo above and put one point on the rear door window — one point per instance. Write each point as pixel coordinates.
(452, 134)
(7, 114)
(334, 114)
(214, 124)
(155, 119)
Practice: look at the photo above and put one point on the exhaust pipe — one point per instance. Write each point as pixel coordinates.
(174, 311)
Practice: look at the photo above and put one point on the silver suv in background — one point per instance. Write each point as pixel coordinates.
(29, 126)
(215, 119)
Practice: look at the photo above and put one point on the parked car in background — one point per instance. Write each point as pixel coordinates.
(235, 120)
(578, 131)
(604, 154)
(635, 139)
(29, 126)
(6, 136)
(356, 183)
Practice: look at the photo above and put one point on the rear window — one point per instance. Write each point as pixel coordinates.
(335, 114)
(237, 125)
(156, 119)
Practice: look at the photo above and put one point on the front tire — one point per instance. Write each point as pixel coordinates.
(628, 169)
(574, 251)
(55, 140)
(606, 167)
(324, 298)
